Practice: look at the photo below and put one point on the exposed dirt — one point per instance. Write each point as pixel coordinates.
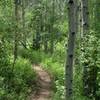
(45, 91)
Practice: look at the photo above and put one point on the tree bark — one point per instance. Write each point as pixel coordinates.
(52, 30)
(16, 31)
(46, 30)
(70, 51)
(23, 23)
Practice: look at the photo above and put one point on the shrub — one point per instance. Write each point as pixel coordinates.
(59, 95)
(34, 56)
(21, 81)
(23, 70)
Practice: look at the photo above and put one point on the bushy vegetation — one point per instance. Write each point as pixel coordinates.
(26, 73)
(54, 66)
(18, 81)
(33, 56)
(56, 69)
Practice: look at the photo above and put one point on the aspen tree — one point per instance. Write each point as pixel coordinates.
(52, 29)
(70, 51)
(23, 23)
(46, 29)
(16, 29)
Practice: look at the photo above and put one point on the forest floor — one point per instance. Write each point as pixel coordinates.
(45, 84)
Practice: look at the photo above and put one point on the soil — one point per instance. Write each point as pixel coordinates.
(44, 80)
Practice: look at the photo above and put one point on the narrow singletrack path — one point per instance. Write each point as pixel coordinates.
(44, 79)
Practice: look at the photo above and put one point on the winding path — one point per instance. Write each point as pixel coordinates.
(44, 80)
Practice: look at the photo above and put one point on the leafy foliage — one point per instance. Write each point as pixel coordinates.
(15, 85)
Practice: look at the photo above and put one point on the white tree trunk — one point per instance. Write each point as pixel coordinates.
(85, 17)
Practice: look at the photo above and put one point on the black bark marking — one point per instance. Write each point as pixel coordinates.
(85, 24)
(71, 55)
(73, 33)
(80, 20)
(70, 91)
(71, 81)
(70, 1)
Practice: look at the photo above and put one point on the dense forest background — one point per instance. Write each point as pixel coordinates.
(62, 36)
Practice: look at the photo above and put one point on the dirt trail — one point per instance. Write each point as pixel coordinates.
(45, 91)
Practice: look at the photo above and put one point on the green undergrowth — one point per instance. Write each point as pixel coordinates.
(54, 64)
(33, 56)
(57, 71)
(18, 82)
